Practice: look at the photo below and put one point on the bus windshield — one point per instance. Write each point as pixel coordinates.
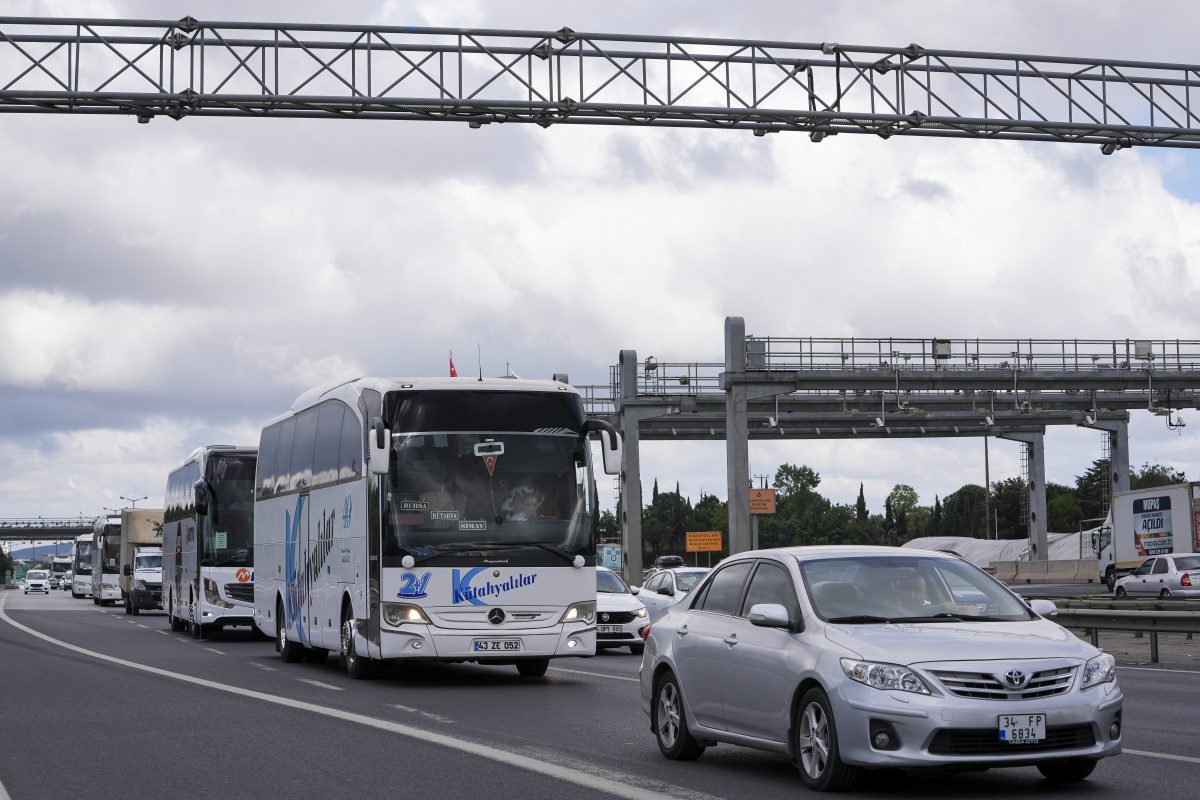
(229, 525)
(148, 562)
(83, 558)
(111, 553)
(459, 492)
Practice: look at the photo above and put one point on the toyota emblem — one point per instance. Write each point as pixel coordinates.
(496, 616)
(1016, 678)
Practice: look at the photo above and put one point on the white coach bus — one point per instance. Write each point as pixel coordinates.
(106, 560)
(81, 566)
(468, 536)
(208, 541)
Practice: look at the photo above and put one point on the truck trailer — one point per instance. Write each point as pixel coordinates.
(1148, 522)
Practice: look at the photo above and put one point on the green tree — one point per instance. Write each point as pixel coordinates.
(1150, 475)
(1093, 489)
(607, 527)
(5, 564)
(935, 520)
(860, 508)
(1007, 497)
(962, 512)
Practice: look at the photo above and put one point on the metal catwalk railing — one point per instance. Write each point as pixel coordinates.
(190, 67)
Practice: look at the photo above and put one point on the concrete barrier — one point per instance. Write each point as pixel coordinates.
(1004, 571)
(1031, 572)
(1061, 571)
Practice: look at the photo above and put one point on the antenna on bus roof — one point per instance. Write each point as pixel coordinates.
(479, 360)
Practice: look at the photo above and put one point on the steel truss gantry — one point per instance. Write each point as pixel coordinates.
(194, 68)
(815, 388)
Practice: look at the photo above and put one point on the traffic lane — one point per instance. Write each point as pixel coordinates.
(118, 733)
(593, 718)
(1160, 711)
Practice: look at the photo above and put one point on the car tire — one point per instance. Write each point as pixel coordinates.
(134, 610)
(668, 719)
(1121, 592)
(289, 651)
(1164, 594)
(816, 747)
(1110, 578)
(533, 667)
(637, 649)
(1068, 769)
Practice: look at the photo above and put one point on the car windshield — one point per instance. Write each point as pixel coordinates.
(686, 581)
(148, 562)
(1187, 562)
(36, 575)
(879, 589)
(610, 583)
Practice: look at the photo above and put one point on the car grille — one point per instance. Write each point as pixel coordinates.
(240, 591)
(985, 686)
(986, 741)
(614, 617)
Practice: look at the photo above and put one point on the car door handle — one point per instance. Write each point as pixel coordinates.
(682, 631)
(731, 639)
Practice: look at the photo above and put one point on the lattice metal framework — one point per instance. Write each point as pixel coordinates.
(188, 68)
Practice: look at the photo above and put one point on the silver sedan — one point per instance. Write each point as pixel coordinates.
(1176, 575)
(846, 658)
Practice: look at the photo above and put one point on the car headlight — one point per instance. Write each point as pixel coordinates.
(139, 585)
(640, 613)
(884, 676)
(1101, 669)
(397, 614)
(580, 612)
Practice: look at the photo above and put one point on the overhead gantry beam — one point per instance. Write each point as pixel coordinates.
(190, 67)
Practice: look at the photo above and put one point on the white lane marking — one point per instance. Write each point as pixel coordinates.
(597, 779)
(164, 633)
(140, 625)
(311, 682)
(425, 714)
(596, 674)
(4, 793)
(264, 667)
(1156, 669)
(1168, 756)
(214, 650)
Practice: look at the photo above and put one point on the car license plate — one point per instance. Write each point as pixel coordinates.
(608, 628)
(497, 645)
(1022, 728)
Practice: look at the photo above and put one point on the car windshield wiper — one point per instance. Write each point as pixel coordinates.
(859, 619)
(941, 616)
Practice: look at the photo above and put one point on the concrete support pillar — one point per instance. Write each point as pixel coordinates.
(1118, 447)
(1036, 442)
(737, 437)
(631, 469)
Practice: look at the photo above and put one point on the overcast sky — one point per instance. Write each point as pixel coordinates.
(169, 285)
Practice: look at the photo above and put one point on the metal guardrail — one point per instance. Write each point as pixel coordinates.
(1153, 622)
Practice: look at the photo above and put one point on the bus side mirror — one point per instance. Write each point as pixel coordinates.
(610, 444)
(200, 488)
(128, 571)
(378, 447)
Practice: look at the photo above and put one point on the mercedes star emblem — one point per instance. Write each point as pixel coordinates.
(496, 616)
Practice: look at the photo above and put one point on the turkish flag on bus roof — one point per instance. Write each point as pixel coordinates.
(453, 371)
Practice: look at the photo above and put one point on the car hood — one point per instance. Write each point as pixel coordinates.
(617, 602)
(909, 644)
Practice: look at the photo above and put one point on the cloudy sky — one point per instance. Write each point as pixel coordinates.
(168, 285)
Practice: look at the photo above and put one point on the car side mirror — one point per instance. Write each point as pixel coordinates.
(667, 590)
(769, 615)
(1043, 608)
(635, 589)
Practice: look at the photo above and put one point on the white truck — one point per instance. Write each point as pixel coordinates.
(60, 566)
(141, 559)
(1147, 522)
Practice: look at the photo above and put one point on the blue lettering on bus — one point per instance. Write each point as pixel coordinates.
(412, 587)
(462, 590)
(347, 507)
(291, 540)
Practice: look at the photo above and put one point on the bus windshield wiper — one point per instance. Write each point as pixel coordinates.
(941, 616)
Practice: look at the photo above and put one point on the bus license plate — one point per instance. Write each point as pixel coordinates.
(1022, 728)
(608, 628)
(497, 645)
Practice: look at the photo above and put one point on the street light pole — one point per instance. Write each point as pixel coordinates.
(133, 501)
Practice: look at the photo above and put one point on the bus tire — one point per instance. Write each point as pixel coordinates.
(289, 651)
(176, 622)
(356, 666)
(533, 667)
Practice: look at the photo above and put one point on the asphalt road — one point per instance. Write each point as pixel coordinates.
(226, 717)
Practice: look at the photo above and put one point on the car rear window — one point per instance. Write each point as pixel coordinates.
(1187, 562)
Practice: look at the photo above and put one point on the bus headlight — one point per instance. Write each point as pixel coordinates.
(580, 612)
(397, 614)
(213, 596)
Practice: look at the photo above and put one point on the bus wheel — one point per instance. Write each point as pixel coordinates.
(289, 651)
(357, 667)
(176, 622)
(533, 667)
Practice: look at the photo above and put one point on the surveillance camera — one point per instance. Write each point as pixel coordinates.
(879, 421)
